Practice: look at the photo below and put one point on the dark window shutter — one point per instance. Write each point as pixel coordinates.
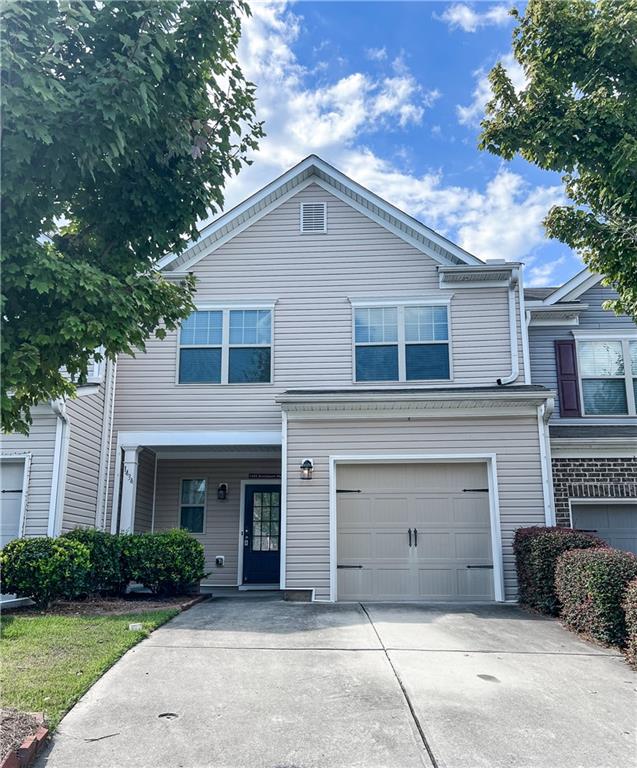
(567, 387)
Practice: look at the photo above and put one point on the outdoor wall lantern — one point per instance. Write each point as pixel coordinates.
(222, 491)
(307, 467)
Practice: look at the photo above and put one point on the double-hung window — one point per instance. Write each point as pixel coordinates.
(226, 346)
(608, 375)
(402, 343)
(192, 505)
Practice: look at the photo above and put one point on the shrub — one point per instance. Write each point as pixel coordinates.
(167, 563)
(105, 551)
(45, 569)
(630, 612)
(590, 584)
(536, 553)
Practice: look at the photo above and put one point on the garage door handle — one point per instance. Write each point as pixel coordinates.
(490, 567)
(349, 566)
(415, 537)
(409, 534)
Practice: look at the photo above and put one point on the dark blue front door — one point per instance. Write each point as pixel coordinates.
(261, 534)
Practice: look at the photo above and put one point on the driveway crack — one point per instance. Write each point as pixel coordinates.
(408, 701)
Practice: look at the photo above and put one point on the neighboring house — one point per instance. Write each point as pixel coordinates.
(55, 479)
(588, 355)
(348, 413)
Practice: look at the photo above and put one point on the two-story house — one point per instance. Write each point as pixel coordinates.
(588, 356)
(358, 409)
(349, 412)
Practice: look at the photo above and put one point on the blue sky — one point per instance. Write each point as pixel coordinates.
(392, 94)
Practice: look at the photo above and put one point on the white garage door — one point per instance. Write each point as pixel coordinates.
(615, 523)
(413, 532)
(11, 477)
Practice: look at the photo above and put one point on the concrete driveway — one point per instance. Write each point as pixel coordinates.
(251, 683)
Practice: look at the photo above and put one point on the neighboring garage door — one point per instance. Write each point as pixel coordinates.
(615, 523)
(413, 532)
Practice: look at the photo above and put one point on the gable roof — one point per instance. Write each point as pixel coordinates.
(314, 170)
(571, 290)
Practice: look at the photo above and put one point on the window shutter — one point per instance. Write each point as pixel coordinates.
(567, 387)
(313, 217)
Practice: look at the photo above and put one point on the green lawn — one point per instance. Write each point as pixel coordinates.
(48, 662)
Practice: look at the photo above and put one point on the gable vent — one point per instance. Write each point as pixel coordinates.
(313, 217)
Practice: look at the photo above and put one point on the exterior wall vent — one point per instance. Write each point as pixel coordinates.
(313, 217)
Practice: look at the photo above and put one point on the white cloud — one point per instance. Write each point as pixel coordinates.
(545, 274)
(333, 120)
(463, 16)
(376, 54)
(474, 112)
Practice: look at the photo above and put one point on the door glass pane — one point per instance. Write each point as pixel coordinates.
(377, 363)
(249, 365)
(427, 361)
(604, 396)
(601, 358)
(192, 519)
(200, 366)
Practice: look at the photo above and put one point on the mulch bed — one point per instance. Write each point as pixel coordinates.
(15, 727)
(105, 606)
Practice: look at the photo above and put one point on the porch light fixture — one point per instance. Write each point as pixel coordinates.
(307, 467)
(222, 491)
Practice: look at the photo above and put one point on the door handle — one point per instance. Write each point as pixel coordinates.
(409, 534)
(415, 537)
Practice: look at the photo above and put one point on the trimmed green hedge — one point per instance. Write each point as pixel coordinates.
(536, 552)
(630, 612)
(45, 569)
(105, 551)
(590, 585)
(167, 563)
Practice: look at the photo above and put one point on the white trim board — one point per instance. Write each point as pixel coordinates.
(426, 458)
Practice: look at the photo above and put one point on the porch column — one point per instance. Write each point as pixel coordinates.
(129, 490)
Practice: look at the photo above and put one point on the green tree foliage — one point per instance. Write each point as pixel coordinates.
(121, 123)
(578, 115)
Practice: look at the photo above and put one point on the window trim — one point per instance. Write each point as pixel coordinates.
(625, 339)
(225, 345)
(401, 342)
(204, 520)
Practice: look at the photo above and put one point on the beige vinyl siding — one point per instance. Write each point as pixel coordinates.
(312, 278)
(514, 440)
(221, 521)
(40, 443)
(86, 417)
(145, 491)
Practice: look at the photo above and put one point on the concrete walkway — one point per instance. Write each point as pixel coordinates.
(253, 683)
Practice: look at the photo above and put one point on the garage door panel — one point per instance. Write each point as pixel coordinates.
(615, 523)
(454, 531)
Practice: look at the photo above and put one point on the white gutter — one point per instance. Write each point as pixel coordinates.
(524, 330)
(513, 334)
(58, 475)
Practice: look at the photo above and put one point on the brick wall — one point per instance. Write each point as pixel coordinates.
(586, 478)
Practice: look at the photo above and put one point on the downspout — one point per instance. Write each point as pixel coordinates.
(544, 413)
(60, 453)
(524, 330)
(513, 334)
(105, 448)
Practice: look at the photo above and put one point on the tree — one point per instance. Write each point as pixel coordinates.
(121, 123)
(578, 115)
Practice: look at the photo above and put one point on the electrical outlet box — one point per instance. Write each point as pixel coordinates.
(219, 561)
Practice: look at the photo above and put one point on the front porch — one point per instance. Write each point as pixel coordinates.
(225, 488)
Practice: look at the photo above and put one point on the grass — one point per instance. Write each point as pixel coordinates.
(48, 662)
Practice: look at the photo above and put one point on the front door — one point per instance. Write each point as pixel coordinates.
(261, 534)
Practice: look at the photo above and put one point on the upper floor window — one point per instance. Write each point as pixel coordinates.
(608, 374)
(226, 346)
(401, 343)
